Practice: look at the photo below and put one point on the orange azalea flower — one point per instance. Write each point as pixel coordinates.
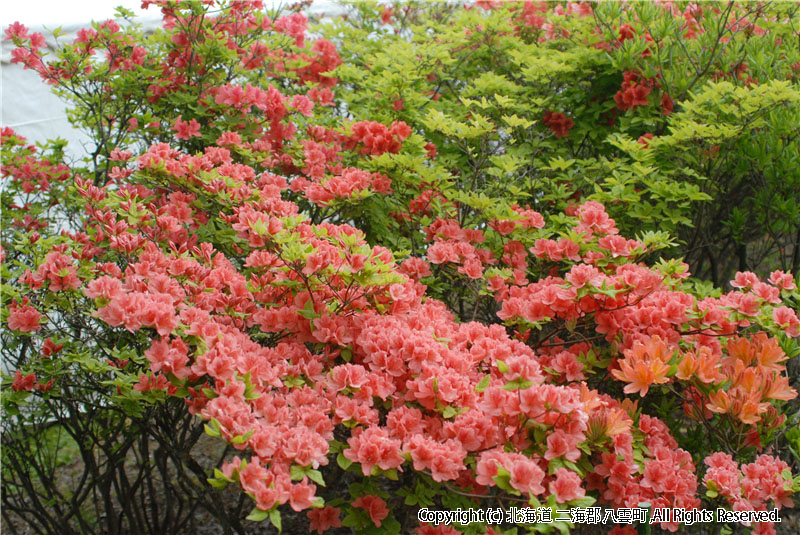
(687, 366)
(640, 374)
(749, 409)
(655, 348)
(739, 349)
(764, 350)
(617, 422)
(777, 387)
(607, 423)
(749, 380)
(590, 398)
(769, 353)
(708, 367)
(644, 365)
(719, 402)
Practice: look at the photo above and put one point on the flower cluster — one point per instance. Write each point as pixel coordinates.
(377, 139)
(634, 91)
(750, 486)
(559, 123)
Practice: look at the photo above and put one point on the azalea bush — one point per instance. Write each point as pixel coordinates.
(360, 302)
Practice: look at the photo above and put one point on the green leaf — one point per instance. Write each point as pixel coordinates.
(343, 462)
(308, 311)
(218, 474)
(212, 428)
(241, 439)
(316, 477)
(275, 518)
(517, 384)
(297, 472)
(483, 384)
(216, 483)
(258, 515)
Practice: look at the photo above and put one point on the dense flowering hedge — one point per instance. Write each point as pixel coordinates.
(304, 279)
(677, 116)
